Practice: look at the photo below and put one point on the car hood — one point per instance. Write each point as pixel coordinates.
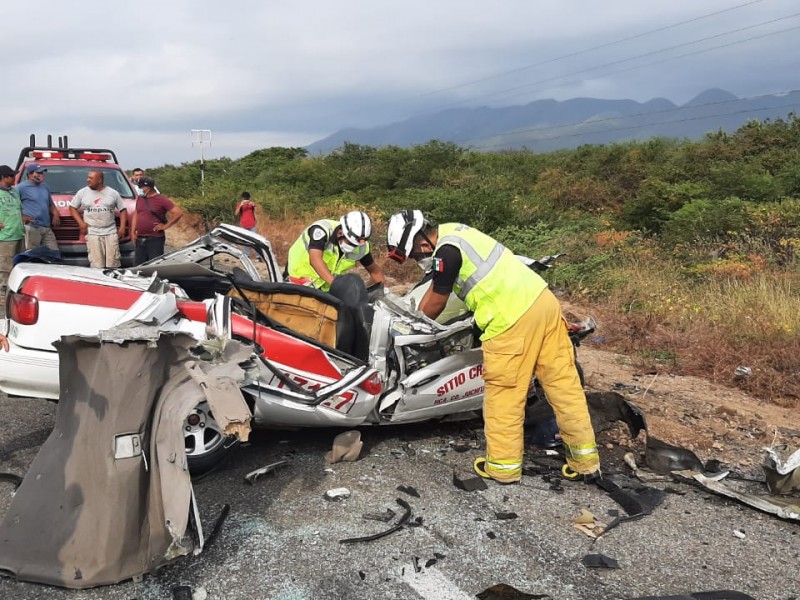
(223, 239)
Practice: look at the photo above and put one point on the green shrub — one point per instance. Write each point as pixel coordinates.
(655, 202)
(707, 219)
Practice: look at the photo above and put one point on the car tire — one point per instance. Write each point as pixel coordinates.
(206, 445)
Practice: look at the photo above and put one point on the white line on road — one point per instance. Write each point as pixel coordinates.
(431, 584)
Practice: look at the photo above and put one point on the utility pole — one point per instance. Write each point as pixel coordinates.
(201, 137)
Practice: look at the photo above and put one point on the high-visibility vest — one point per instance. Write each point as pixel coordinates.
(299, 263)
(492, 282)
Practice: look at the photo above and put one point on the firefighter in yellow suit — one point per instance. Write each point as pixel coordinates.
(523, 333)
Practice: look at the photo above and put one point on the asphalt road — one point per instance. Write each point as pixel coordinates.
(281, 538)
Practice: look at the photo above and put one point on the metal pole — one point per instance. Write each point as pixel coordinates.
(202, 172)
(201, 137)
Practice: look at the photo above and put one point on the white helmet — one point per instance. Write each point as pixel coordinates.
(403, 226)
(356, 227)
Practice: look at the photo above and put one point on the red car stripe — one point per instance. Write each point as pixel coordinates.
(286, 349)
(47, 289)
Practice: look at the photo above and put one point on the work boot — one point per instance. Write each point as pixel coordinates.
(480, 468)
(571, 475)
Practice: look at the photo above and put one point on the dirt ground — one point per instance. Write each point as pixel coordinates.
(712, 420)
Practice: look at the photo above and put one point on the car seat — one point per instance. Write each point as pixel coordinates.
(307, 311)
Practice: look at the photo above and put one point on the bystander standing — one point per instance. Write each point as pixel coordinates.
(153, 215)
(246, 212)
(12, 230)
(98, 202)
(39, 213)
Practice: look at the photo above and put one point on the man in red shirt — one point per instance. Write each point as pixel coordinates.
(153, 215)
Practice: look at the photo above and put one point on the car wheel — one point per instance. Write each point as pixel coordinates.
(206, 445)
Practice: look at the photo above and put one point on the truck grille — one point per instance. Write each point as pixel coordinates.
(69, 231)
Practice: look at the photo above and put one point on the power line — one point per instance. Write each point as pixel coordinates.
(630, 127)
(585, 51)
(704, 50)
(616, 62)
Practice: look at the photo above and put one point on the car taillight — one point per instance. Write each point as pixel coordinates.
(373, 385)
(23, 309)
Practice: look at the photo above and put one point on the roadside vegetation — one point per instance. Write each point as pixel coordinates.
(685, 252)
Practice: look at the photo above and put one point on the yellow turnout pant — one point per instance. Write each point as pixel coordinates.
(537, 343)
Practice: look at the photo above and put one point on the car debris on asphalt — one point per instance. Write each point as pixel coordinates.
(599, 561)
(785, 508)
(469, 482)
(270, 468)
(407, 489)
(396, 527)
(336, 494)
(586, 522)
(664, 462)
(503, 591)
(346, 447)
(383, 517)
(782, 475)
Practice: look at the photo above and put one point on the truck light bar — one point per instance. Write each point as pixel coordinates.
(94, 156)
(46, 154)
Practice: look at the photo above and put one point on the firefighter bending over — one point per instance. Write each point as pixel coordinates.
(524, 334)
(328, 248)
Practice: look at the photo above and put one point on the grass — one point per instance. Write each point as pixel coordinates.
(709, 327)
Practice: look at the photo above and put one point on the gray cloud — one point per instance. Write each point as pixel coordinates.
(137, 77)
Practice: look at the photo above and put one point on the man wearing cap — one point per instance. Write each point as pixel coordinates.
(39, 213)
(153, 215)
(12, 230)
(98, 203)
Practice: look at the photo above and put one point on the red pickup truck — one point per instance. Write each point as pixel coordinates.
(66, 174)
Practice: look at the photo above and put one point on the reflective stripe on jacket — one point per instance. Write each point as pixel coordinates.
(338, 263)
(492, 282)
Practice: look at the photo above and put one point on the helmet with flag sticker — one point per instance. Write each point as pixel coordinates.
(403, 226)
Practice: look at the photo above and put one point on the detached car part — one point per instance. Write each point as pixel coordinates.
(785, 508)
(783, 476)
(665, 458)
(403, 519)
(108, 497)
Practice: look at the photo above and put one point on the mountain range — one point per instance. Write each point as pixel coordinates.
(545, 125)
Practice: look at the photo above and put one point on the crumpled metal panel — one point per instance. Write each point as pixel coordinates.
(784, 508)
(108, 497)
(783, 476)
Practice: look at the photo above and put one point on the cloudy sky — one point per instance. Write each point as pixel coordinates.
(138, 76)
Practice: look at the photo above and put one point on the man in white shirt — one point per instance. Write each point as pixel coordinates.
(93, 207)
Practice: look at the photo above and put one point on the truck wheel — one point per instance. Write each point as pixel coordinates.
(206, 445)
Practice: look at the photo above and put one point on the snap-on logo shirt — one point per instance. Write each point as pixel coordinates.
(98, 208)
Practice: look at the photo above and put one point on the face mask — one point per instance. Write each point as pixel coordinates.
(426, 264)
(346, 247)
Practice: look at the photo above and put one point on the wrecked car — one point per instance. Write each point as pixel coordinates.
(334, 359)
